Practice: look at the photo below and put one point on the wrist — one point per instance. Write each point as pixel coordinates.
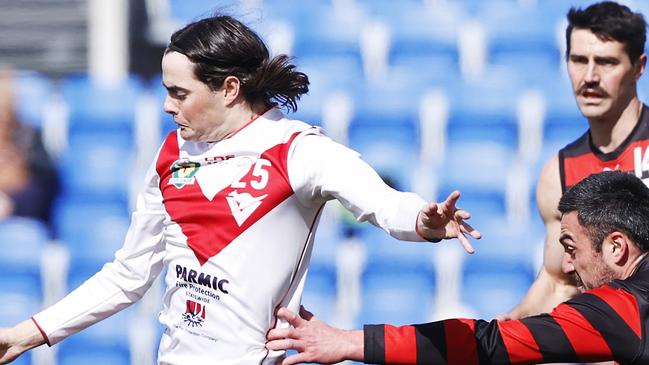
(418, 230)
(354, 345)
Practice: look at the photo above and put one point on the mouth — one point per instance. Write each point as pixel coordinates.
(591, 94)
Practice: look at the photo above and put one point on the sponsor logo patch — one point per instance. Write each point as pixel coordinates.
(183, 172)
(194, 315)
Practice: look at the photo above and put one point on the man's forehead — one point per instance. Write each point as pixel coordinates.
(583, 41)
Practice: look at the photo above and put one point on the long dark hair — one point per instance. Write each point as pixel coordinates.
(221, 46)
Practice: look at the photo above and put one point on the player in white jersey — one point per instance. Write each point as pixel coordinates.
(230, 208)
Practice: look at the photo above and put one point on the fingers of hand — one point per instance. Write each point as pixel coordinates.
(282, 344)
(467, 228)
(279, 333)
(290, 317)
(452, 199)
(465, 243)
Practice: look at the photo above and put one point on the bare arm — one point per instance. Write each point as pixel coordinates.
(16, 340)
(552, 286)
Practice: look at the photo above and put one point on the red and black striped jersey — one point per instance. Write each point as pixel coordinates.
(582, 158)
(607, 323)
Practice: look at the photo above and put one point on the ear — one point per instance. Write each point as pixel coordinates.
(640, 66)
(616, 247)
(231, 89)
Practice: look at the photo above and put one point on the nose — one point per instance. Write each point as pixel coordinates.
(567, 263)
(169, 106)
(592, 74)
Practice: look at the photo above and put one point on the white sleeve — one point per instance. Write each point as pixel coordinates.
(321, 169)
(119, 283)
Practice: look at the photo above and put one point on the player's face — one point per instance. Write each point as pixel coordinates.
(603, 78)
(581, 259)
(198, 111)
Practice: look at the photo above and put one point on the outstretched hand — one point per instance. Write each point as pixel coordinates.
(7, 351)
(444, 220)
(314, 340)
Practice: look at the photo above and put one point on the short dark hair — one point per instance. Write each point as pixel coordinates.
(610, 201)
(221, 46)
(609, 20)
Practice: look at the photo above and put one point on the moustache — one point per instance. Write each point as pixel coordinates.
(592, 89)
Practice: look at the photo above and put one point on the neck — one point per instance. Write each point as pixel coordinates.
(607, 134)
(240, 115)
(633, 266)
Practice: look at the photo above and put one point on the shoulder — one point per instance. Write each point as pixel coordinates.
(548, 188)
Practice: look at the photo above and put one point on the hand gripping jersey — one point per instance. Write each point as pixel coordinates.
(580, 158)
(607, 323)
(233, 223)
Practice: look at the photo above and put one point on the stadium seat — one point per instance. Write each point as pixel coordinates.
(96, 106)
(497, 277)
(319, 295)
(33, 92)
(410, 32)
(92, 231)
(323, 32)
(393, 296)
(484, 109)
(105, 343)
(97, 166)
(22, 240)
(479, 170)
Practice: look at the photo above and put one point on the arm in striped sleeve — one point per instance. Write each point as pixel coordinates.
(602, 324)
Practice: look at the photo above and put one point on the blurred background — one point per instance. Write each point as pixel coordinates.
(436, 95)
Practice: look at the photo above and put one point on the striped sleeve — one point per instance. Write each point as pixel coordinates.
(599, 325)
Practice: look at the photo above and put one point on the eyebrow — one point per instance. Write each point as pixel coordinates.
(173, 87)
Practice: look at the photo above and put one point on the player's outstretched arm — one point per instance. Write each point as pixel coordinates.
(16, 340)
(315, 341)
(552, 286)
(445, 220)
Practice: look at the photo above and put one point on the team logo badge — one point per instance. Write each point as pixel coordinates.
(183, 172)
(194, 315)
(243, 205)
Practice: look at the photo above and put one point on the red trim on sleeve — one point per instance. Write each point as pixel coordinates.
(519, 342)
(400, 345)
(624, 303)
(460, 342)
(583, 337)
(47, 340)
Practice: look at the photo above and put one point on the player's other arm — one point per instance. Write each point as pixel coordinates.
(552, 286)
(18, 339)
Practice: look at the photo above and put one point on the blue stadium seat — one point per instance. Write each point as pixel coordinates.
(479, 171)
(392, 296)
(98, 107)
(97, 166)
(348, 74)
(386, 251)
(33, 92)
(501, 271)
(21, 242)
(563, 121)
(319, 295)
(411, 31)
(105, 343)
(512, 32)
(322, 32)
(385, 129)
(92, 231)
(485, 109)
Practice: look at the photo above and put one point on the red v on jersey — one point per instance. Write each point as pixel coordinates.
(210, 226)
